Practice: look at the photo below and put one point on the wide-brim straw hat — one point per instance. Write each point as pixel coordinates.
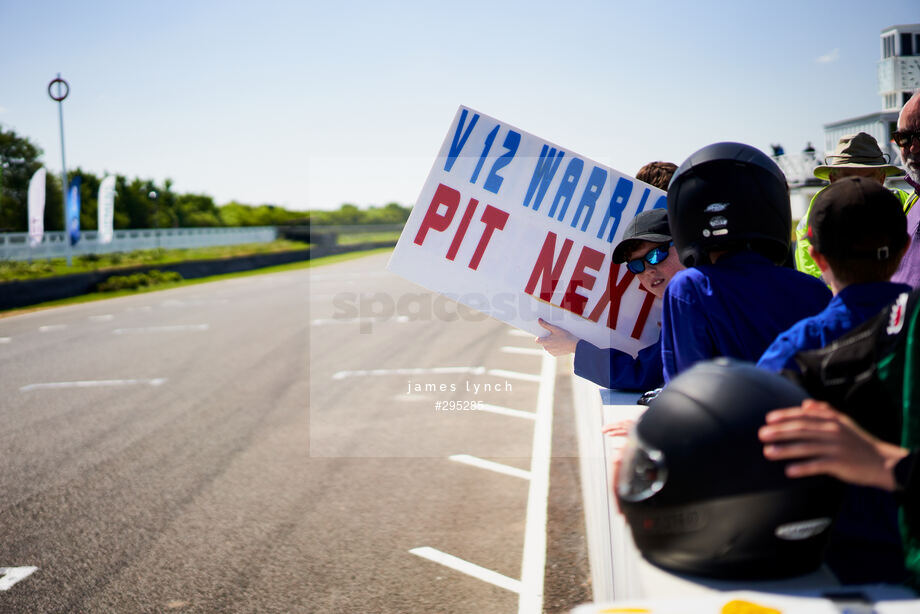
(857, 151)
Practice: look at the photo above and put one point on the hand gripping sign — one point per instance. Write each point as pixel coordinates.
(520, 229)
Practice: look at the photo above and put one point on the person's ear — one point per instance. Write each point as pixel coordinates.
(819, 258)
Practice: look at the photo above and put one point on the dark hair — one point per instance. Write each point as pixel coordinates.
(657, 174)
(861, 270)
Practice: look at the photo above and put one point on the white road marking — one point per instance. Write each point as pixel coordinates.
(99, 383)
(514, 349)
(482, 463)
(326, 297)
(101, 318)
(341, 276)
(419, 371)
(178, 328)
(51, 328)
(527, 377)
(323, 322)
(470, 569)
(533, 566)
(194, 302)
(507, 411)
(415, 396)
(11, 575)
(5, 339)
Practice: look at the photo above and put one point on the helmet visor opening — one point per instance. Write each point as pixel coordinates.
(643, 471)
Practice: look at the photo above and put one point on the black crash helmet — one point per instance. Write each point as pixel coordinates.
(699, 495)
(728, 195)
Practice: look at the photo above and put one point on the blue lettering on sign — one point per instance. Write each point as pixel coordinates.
(512, 142)
(662, 202)
(567, 187)
(460, 138)
(485, 152)
(589, 197)
(615, 209)
(542, 175)
(641, 206)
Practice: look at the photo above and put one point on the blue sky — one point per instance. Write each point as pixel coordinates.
(314, 104)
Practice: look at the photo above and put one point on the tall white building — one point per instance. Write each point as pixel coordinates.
(898, 79)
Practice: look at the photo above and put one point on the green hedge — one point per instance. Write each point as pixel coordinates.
(138, 280)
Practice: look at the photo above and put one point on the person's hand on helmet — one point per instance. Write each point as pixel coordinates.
(620, 428)
(821, 440)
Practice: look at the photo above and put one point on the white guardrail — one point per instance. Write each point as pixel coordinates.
(15, 245)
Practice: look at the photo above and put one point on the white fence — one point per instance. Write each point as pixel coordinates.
(15, 245)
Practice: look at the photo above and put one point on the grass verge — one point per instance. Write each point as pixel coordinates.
(15, 270)
(293, 266)
(368, 237)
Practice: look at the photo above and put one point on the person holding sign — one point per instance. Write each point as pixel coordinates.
(729, 214)
(648, 253)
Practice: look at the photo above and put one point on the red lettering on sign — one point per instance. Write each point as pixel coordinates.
(589, 259)
(444, 195)
(643, 313)
(493, 218)
(612, 295)
(545, 270)
(461, 230)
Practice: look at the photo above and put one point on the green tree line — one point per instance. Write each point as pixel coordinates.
(143, 203)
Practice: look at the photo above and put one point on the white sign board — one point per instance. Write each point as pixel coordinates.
(519, 228)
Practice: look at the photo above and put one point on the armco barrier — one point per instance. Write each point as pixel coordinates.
(54, 244)
(15, 294)
(15, 245)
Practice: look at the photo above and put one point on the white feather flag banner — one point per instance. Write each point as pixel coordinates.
(106, 209)
(37, 207)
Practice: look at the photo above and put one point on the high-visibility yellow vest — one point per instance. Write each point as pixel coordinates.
(803, 260)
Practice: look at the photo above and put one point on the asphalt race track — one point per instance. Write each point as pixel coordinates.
(275, 443)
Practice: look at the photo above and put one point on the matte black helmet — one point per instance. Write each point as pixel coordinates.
(729, 196)
(697, 491)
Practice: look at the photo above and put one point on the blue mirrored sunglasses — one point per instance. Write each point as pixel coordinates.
(656, 255)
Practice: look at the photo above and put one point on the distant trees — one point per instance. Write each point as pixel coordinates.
(391, 213)
(18, 162)
(142, 203)
(237, 214)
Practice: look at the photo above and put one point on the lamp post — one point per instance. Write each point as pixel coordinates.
(59, 94)
(3, 168)
(152, 195)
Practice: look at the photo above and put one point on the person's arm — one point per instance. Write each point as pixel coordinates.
(821, 440)
(685, 335)
(778, 355)
(608, 367)
(781, 353)
(612, 368)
